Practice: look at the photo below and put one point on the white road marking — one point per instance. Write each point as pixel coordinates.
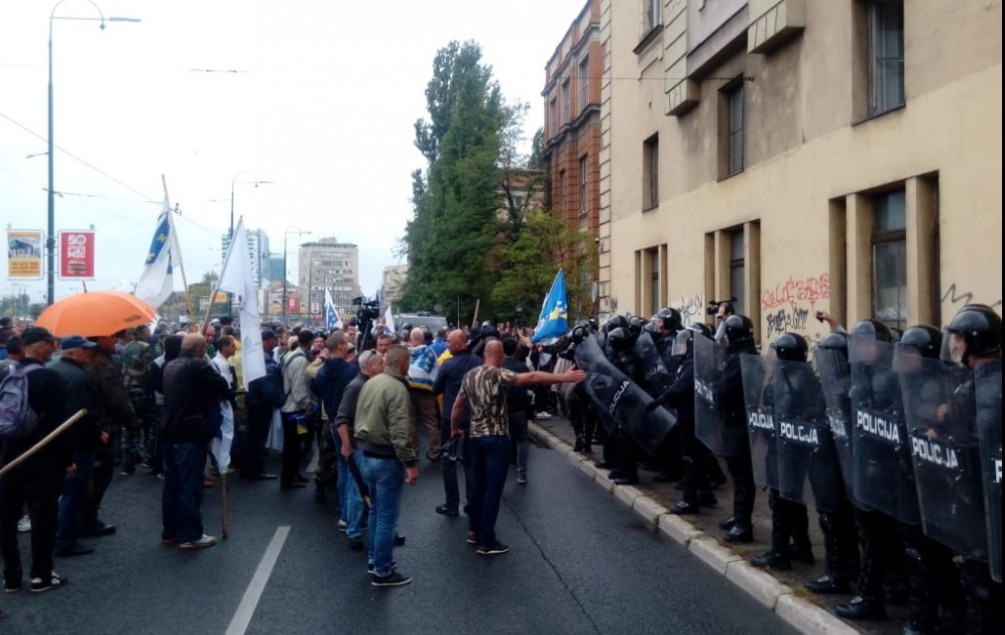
(242, 617)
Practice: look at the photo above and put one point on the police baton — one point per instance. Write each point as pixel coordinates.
(364, 491)
(44, 442)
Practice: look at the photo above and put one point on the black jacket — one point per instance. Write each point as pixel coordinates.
(85, 434)
(192, 394)
(47, 396)
(449, 378)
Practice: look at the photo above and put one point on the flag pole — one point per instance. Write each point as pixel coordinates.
(181, 264)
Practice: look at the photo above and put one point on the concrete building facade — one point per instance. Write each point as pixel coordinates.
(327, 264)
(801, 156)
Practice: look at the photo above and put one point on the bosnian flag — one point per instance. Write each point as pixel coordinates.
(554, 319)
(332, 319)
(157, 280)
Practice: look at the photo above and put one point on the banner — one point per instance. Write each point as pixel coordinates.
(24, 254)
(76, 255)
(293, 305)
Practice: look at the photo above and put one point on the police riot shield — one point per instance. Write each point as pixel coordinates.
(808, 467)
(883, 475)
(759, 403)
(939, 408)
(835, 378)
(657, 375)
(988, 389)
(619, 399)
(709, 415)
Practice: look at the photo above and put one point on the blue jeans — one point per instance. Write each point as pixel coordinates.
(386, 479)
(350, 503)
(71, 503)
(490, 464)
(182, 496)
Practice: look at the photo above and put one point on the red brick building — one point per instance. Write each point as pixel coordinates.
(572, 121)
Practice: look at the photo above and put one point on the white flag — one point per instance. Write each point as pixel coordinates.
(236, 278)
(220, 446)
(332, 319)
(389, 321)
(157, 282)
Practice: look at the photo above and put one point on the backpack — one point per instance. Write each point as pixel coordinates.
(17, 418)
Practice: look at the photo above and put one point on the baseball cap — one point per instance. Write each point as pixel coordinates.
(35, 335)
(75, 341)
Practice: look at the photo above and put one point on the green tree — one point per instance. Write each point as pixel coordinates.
(530, 263)
(455, 226)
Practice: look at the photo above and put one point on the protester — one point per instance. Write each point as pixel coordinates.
(38, 481)
(330, 384)
(485, 389)
(77, 354)
(520, 405)
(421, 373)
(389, 459)
(265, 394)
(193, 391)
(371, 364)
(296, 386)
(137, 357)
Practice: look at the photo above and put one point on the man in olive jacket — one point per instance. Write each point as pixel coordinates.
(383, 430)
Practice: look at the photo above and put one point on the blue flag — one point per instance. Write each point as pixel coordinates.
(554, 320)
(332, 320)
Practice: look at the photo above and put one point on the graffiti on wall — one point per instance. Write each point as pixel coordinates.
(784, 320)
(692, 309)
(796, 291)
(954, 299)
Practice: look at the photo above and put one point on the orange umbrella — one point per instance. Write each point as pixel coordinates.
(96, 313)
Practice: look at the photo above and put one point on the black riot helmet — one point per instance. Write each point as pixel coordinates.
(738, 328)
(652, 327)
(978, 328)
(702, 328)
(406, 328)
(872, 330)
(619, 339)
(834, 341)
(670, 319)
(635, 325)
(617, 321)
(683, 343)
(579, 334)
(790, 347)
(925, 339)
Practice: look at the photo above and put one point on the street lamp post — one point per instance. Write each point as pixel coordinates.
(293, 229)
(255, 180)
(50, 242)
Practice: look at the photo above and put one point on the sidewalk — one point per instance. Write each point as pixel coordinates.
(782, 592)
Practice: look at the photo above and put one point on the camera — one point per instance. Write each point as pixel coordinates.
(366, 309)
(713, 306)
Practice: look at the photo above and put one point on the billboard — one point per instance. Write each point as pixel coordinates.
(76, 255)
(293, 305)
(24, 254)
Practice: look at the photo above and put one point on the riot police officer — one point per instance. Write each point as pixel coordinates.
(695, 486)
(623, 357)
(738, 338)
(838, 525)
(975, 340)
(789, 520)
(668, 324)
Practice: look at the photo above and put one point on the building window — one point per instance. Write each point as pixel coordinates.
(584, 83)
(652, 13)
(584, 195)
(651, 172)
(561, 190)
(737, 271)
(886, 55)
(565, 102)
(553, 112)
(889, 258)
(731, 122)
(654, 281)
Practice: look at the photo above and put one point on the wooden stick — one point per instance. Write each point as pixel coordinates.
(224, 507)
(63, 427)
(474, 320)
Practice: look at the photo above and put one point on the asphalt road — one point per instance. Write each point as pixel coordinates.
(580, 563)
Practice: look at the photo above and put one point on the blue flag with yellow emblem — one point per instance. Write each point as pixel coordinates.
(554, 320)
(157, 282)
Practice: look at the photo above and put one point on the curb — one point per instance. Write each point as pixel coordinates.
(802, 615)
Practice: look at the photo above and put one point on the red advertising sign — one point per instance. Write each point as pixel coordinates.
(293, 305)
(76, 255)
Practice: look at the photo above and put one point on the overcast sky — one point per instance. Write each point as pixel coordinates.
(318, 97)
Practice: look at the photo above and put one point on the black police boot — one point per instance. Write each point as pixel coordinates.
(774, 559)
(685, 507)
(868, 604)
(835, 578)
(740, 534)
(922, 610)
(580, 444)
(727, 523)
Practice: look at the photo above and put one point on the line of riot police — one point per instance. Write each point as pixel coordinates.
(895, 441)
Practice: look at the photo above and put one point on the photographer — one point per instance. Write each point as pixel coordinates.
(721, 309)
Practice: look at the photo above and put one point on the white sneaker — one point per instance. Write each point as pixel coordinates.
(543, 415)
(24, 524)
